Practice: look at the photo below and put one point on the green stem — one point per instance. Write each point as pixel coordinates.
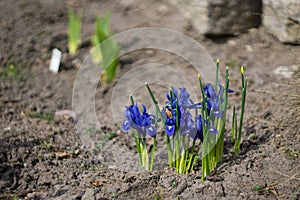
(137, 143)
(235, 135)
(132, 101)
(151, 94)
(145, 157)
(138, 147)
(217, 74)
(191, 157)
(232, 125)
(221, 142)
(156, 104)
(177, 150)
(137, 140)
(242, 113)
(169, 151)
(157, 112)
(184, 154)
(182, 163)
(153, 153)
(205, 167)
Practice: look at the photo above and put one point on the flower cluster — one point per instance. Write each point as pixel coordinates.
(178, 120)
(181, 126)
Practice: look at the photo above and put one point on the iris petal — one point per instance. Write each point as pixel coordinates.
(136, 111)
(194, 106)
(170, 130)
(213, 130)
(144, 109)
(151, 131)
(126, 126)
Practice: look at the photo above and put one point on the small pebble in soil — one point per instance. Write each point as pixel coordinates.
(163, 9)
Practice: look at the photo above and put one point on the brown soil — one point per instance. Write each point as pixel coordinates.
(41, 156)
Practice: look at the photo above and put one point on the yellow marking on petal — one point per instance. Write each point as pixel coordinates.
(169, 113)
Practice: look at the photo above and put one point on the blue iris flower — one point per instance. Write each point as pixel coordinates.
(185, 101)
(197, 133)
(185, 122)
(214, 100)
(170, 120)
(142, 122)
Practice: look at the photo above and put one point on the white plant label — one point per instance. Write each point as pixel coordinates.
(55, 61)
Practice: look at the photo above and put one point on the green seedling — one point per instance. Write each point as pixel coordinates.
(231, 62)
(114, 195)
(267, 191)
(47, 145)
(105, 49)
(156, 197)
(110, 136)
(15, 197)
(292, 152)
(174, 183)
(74, 29)
(100, 143)
(107, 136)
(252, 136)
(11, 72)
(48, 116)
(257, 187)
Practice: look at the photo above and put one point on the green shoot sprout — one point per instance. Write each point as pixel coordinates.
(105, 49)
(74, 29)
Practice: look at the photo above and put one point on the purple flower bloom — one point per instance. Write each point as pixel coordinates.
(170, 120)
(183, 101)
(214, 100)
(198, 131)
(142, 122)
(186, 123)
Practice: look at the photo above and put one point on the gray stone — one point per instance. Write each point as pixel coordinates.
(221, 17)
(285, 71)
(282, 19)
